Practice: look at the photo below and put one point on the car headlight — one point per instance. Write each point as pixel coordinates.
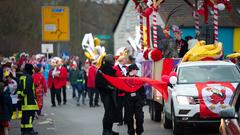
(186, 100)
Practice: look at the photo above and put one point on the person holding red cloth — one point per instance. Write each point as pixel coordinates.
(55, 83)
(121, 71)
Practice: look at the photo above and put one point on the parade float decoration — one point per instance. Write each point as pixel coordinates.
(214, 97)
(234, 55)
(122, 52)
(202, 8)
(201, 51)
(145, 9)
(92, 49)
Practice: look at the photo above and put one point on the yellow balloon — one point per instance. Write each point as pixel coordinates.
(88, 55)
(100, 59)
(96, 41)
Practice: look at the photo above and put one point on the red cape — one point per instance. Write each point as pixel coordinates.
(132, 84)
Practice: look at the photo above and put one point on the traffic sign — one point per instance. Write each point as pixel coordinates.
(47, 48)
(103, 36)
(55, 23)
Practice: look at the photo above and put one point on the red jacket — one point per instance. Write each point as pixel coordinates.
(39, 82)
(118, 71)
(54, 82)
(119, 74)
(63, 75)
(91, 76)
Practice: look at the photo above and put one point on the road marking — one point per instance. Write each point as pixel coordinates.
(50, 128)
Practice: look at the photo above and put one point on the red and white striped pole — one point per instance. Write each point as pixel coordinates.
(215, 23)
(155, 28)
(196, 21)
(141, 31)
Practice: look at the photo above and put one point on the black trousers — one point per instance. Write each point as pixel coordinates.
(93, 95)
(110, 113)
(64, 93)
(27, 120)
(55, 93)
(134, 108)
(122, 109)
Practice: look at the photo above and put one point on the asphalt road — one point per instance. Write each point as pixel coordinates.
(72, 120)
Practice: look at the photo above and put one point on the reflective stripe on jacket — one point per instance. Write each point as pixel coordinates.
(28, 93)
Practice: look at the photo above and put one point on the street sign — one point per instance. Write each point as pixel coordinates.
(55, 23)
(47, 48)
(103, 36)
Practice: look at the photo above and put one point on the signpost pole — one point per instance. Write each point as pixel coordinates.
(47, 55)
(58, 48)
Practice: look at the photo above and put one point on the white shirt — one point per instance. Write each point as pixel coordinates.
(123, 69)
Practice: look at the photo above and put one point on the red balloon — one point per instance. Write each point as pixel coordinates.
(165, 78)
(173, 74)
(148, 12)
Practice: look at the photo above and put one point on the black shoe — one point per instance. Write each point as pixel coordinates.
(32, 133)
(64, 103)
(53, 105)
(110, 133)
(120, 123)
(91, 106)
(59, 104)
(114, 133)
(97, 105)
(78, 104)
(24, 133)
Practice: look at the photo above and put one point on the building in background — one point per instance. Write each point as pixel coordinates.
(229, 23)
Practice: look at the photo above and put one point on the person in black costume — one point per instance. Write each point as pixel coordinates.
(108, 95)
(134, 105)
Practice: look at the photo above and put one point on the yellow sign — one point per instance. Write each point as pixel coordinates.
(55, 23)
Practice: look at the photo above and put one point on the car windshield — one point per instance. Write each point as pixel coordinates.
(208, 73)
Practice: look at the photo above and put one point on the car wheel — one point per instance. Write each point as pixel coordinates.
(167, 123)
(175, 125)
(156, 111)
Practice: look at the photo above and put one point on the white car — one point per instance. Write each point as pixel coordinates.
(183, 105)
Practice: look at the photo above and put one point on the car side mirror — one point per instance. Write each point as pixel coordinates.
(173, 80)
(228, 113)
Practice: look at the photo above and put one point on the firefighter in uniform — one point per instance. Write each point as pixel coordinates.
(28, 101)
(134, 105)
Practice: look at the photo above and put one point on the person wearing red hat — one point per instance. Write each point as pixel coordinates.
(73, 76)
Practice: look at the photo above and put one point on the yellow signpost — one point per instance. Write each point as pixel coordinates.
(55, 23)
